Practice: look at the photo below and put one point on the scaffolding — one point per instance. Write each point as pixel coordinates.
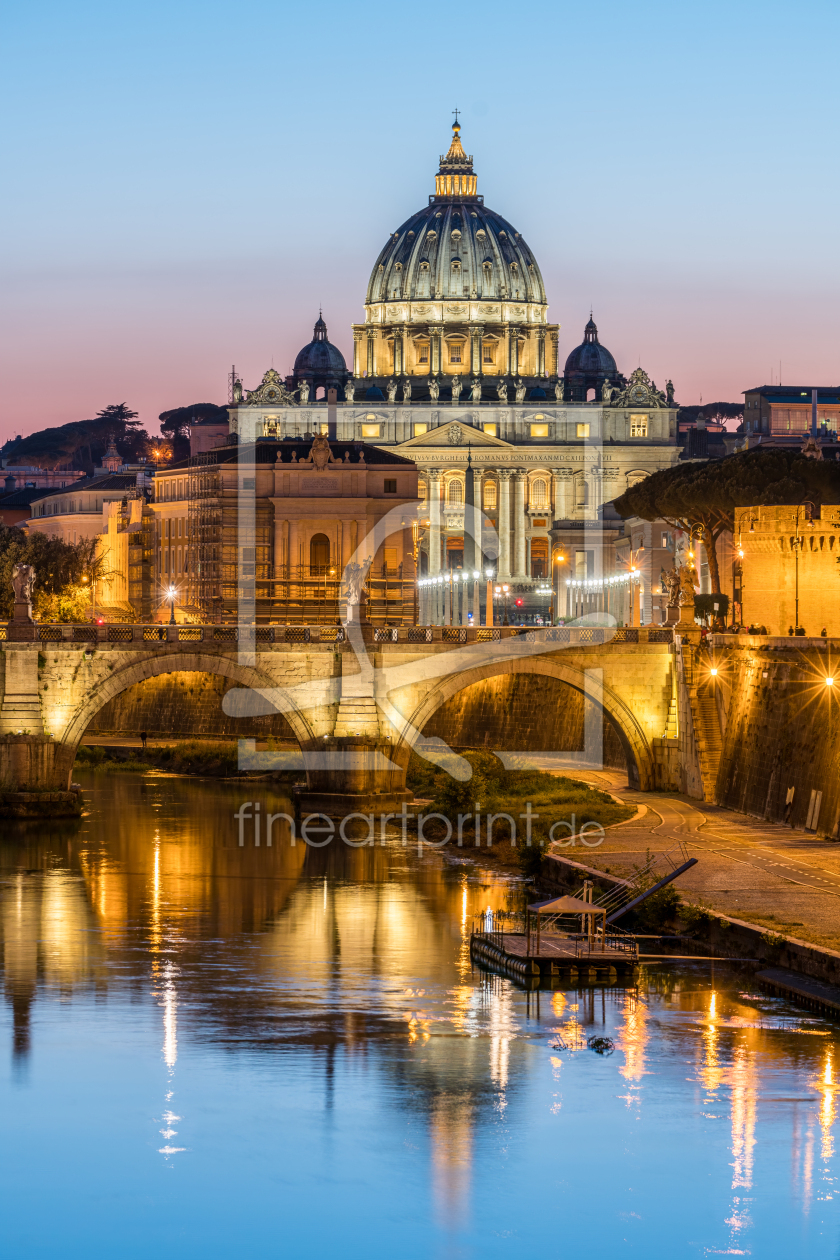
(204, 532)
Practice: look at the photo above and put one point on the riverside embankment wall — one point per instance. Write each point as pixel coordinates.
(780, 726)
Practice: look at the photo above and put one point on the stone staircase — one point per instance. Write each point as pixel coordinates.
(707, 735)
(671, 722)
(357, 715)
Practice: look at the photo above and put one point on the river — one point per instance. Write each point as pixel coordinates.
(219, 1050)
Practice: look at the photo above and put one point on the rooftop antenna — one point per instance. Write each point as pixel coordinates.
(231, 382)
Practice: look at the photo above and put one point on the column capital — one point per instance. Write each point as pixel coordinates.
(434, 474)
(504, 474)
(521, 473)
(357, 334)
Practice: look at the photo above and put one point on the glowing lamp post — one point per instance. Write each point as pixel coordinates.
(170, 595)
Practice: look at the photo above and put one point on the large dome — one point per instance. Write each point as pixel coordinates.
(320, 361)
(455, 248)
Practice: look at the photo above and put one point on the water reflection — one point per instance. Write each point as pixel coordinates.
(332, 990)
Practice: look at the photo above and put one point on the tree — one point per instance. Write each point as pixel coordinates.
(175, 424)
(705, 495)
(64, 572)
(83, 442)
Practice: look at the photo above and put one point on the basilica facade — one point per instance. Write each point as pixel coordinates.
(457, 363)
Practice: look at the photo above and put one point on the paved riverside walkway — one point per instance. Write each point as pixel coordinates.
(765, 873)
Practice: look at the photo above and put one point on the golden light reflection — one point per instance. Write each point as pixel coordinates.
(634, 1038)
(828, 1109)
(712, 1072)
(743, 1086)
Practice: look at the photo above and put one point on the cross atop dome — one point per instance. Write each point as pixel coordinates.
(455, 177)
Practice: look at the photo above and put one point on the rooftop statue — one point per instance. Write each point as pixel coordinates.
(349, 390)
(391, 390)
(475, 390)
(501, 390)
(434, 389)
(456, 388)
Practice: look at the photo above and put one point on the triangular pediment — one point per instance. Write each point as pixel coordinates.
(454, 434)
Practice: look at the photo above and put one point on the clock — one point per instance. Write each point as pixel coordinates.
(638, 394)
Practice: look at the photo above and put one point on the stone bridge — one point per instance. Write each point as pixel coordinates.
(356, 698)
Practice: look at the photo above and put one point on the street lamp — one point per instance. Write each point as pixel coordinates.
(504, 591)
(171, 592)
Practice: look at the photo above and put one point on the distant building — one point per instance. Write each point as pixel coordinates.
(780, 415)
(111, 507)
(276, 522)
(30, 477)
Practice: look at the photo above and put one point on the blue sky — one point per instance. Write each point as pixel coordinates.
(186, 183)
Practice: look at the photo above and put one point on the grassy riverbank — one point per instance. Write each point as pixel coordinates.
(559, 803)
(198, 756)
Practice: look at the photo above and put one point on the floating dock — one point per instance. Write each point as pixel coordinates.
(575, 958)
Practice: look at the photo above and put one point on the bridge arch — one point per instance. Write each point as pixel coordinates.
(630, 732)
(152, 666)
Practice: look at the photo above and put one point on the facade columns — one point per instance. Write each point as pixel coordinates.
(476, 341)
(294, 555)
(435, 475)
(503, 567)
(519, 521)
(281, 543)
(562, 507)
(371, 337)
(435, 334)
(346, 543)
(540, 352)
(514, 350)
(357, 353)
(554, 362)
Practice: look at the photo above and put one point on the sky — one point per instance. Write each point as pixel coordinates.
(185, 183)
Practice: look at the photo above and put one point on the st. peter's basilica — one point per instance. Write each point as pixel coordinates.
(456, 361)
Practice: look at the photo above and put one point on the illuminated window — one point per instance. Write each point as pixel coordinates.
(423, 352)
(490, 496)
(638, 426)
(541, 430)
(455, 353)
(455, 492)
(389, 555)
(421, 490)
(324, 428)
(583, 430)
(370, 416)
(490, 429)
(420, 428)
(539, 497)
(488, 354)
(371, 430)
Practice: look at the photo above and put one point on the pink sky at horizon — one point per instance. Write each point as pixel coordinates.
(159, 232)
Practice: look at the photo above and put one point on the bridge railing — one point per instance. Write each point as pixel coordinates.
(146, 636)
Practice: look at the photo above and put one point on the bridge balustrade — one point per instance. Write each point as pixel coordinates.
(146, 635)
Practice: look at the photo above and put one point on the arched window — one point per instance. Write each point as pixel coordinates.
(539, 496)
(490, 496)
(319, 555)
(455, 492)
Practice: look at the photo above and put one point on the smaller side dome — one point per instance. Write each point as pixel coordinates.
(588, 366)
(320, 363)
